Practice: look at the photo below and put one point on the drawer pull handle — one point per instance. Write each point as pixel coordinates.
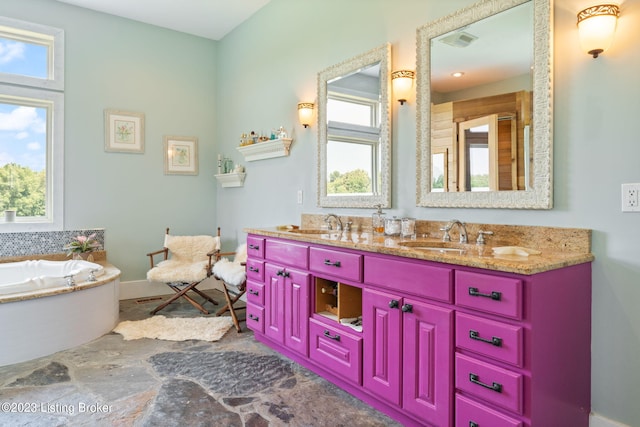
(252, 292)
(393, 303)
(475, 335)
(283, 273)
(494, 295)
(254, 317)
(328, 262)
(333, 337)
(494, 386)
(254, 269)
(473, 424)
(254, 247)
(407, 308)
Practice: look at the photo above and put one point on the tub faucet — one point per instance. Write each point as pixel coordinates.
(449, 226)
(327, 219)
(92, 275)
(70, 281)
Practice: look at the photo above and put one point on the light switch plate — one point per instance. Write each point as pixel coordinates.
(630, 198)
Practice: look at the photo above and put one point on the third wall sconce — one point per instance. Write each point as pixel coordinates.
(596, 27)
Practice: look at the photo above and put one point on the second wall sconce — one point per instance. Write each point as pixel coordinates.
(305, 113)
(402, 81)
(596, 27)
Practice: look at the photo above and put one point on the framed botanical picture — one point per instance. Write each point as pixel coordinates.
(180, 155)
(123, 131)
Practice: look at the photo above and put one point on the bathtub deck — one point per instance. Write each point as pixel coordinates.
(42, 322)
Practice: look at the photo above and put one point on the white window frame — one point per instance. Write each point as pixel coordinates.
(49, 91)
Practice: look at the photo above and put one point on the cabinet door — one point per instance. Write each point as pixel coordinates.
(274, 302)
(296, 310)
(427, 361)
(381, 323)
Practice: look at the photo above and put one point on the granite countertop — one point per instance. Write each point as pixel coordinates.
(480, 256)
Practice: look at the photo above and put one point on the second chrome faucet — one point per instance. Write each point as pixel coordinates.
(463, 231)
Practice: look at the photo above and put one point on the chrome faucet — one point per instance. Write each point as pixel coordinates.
(327, 219)
(463, 231)
(70, 280)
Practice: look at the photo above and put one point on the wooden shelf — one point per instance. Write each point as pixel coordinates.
(266, 149)
(232, 179)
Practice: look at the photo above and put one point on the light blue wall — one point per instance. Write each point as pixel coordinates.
(169, 76)
(253, 79)
(270, 63)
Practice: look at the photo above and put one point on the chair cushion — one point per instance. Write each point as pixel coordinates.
(173, 270)
(241, 254)
(231, 272)
(191, 248)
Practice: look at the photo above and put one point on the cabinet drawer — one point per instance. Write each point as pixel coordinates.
(255, 247)
(255, 293)
(494, 339)
(470, 413)
(491, 383)
(255, 270)
(419, 279)
(336, 351)
(255, 318)
(336, 263)
(293, 254)
(492, 294)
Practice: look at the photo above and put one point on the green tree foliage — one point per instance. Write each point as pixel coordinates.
(23, 189)
(438, 182)
(355, 181)
(479, 181)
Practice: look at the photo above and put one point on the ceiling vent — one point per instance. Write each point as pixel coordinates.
(459, 39)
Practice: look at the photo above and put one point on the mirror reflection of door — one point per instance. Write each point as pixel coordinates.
(439, 172)
(478, 165)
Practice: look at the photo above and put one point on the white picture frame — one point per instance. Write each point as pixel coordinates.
(123, 131)
(180, 155)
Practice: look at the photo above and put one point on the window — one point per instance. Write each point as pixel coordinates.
(353, 145)
(31, 126)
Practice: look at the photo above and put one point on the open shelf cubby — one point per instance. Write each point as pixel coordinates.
(337, 301)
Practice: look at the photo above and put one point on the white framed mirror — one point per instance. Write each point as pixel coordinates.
(354, 131)
(503, 48)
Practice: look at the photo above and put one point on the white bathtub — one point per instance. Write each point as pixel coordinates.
(28, 276)
(41, 315)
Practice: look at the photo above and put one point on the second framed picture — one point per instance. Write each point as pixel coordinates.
(180, 155)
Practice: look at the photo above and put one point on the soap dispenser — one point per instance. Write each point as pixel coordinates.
(377, 220)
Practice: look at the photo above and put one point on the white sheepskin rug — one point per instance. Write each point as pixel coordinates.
(175, 328)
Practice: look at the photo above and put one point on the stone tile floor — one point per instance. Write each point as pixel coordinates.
(233, 382)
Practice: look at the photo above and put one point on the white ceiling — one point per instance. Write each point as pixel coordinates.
(211, 19)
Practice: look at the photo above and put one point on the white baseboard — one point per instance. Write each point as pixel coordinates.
(144, 289)
(596, 420)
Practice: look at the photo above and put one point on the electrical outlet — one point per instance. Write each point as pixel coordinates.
(630, 198)
(299, 197)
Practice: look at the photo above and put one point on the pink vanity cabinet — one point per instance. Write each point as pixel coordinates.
(408, 339)
(287, 294)
(440, 344)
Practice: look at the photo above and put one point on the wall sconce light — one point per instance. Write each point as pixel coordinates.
(305, 113)
(402, 81)
(596, 27)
